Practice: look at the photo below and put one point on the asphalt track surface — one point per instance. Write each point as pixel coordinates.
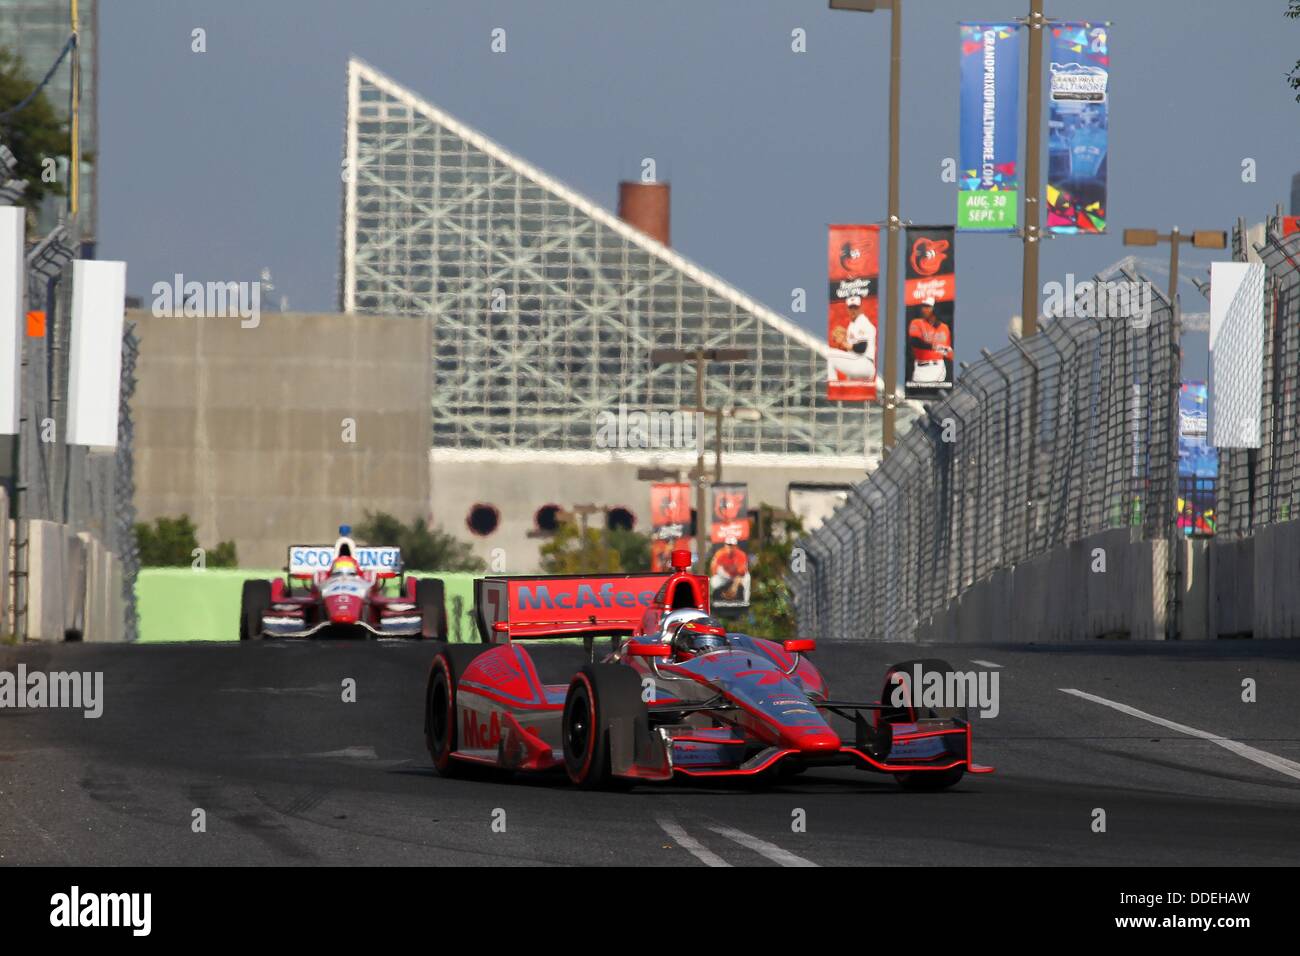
(259, 737)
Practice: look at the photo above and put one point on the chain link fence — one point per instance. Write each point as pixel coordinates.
(55, 481)
(1049, 440)
(1261, 486)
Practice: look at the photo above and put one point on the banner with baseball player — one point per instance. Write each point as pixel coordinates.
(670, 515)
(988, 186)
(854, 270)
(930, 299)
(1077, 128)
(728, 557)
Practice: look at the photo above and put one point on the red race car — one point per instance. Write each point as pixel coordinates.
(341, 593)
(680, 694)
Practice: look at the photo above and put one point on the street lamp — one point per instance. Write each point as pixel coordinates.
(1200, 239)
(700, 357)
(891, 244)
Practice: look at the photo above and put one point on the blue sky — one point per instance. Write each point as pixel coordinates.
(218, 164)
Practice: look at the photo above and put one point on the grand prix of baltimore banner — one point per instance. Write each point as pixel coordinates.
(988, 188)
(728, 558)
(929, 299)
(854, 270)
(670, 515)
(1078, 128)
(1198, 461)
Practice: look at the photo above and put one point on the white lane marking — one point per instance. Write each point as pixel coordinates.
(1262, 757)
(689, 843)
(769, 850)
(985, 664)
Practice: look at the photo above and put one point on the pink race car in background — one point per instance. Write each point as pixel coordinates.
(341, 593)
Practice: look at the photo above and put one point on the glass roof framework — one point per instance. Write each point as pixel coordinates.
(546, 306)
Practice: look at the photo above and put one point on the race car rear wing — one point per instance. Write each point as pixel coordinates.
(579, 605)
(305, 560)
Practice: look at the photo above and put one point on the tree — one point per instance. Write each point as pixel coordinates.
(34, 134)
(569, 551)
(423, 548)
(771, 608)
(171, 543)
(633, 549)
(1293, 13)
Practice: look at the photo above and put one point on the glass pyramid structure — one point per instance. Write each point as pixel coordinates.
(545, 306)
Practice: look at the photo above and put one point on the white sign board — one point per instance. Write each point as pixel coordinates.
(12, 317)
(95, 353)
(1237, 331)
(307, 559)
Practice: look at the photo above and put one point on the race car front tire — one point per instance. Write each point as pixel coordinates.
(254, 602)
(923, 780)
(602, 698)
(441, 732)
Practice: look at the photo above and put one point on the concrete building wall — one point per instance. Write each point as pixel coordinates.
(517, 484)
(246, 430)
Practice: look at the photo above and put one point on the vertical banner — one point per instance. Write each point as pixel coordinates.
(988, 188)
(930, 300)
(670, 512)
(1237, 331)
(13, 282)
(95, 353)
(729, 557)
(1077, 125)
(854, 271)
(1198, 462)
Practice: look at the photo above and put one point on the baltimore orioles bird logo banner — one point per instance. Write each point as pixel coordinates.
(670, 512)
(929, 299)
(854, 270)
(728, 565)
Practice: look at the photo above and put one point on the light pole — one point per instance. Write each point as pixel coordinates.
(1031, 232)
(700, 357)
(1200, 239)
(894, 223)
(739, 414)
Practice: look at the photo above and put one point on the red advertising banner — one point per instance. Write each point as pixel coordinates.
(929, 302)
(854, 270)
(670, 515)
(1290, 225)
(729, 557)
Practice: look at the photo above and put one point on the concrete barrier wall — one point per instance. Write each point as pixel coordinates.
(1103, 586)
(74, 586)
(6, 584)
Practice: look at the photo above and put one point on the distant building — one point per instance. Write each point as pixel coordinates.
(1295, 195)
(36, 30)
(545, 307)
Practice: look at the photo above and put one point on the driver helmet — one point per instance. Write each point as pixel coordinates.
(344, 567)
(697, 634)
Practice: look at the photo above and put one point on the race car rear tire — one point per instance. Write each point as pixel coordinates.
(429, 597)
(441, 730)
(254, 602)
(601, 697)
(928, 665)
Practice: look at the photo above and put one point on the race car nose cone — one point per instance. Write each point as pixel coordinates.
(343, 610)
(813, 740)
